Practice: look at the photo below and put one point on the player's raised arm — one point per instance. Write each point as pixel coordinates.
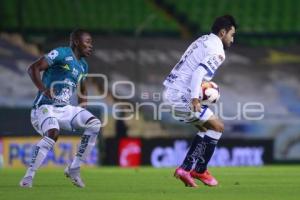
(34, 71)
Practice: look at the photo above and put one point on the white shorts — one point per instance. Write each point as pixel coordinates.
(69, 117)
(181, 110)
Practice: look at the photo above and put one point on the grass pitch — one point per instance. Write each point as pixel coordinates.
(243, 183)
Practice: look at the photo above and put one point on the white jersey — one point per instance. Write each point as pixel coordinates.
(202, 58)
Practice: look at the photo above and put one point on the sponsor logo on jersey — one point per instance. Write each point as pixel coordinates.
(69, 82)
(75, 72)
(171, 78)
(221, 58)
(69, 58)
(210, 64)
(215, 61)
(66, 67)
(45, 110)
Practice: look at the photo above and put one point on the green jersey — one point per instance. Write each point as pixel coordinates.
(62, 76)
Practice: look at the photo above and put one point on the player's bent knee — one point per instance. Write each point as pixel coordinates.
(215, 125)
(93, 125)
(53, 134)
(219, 127)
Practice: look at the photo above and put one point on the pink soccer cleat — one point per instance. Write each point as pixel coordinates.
(185, 177)
(205, 177)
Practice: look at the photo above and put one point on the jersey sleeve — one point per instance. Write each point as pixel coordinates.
(196, 81)
(55, 56)
(211, 63)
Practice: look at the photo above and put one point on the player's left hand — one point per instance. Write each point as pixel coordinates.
(47, 93)
(196, 106)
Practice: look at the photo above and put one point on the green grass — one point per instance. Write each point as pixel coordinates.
(266, 183)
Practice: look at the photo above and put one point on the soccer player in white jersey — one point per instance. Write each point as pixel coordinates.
(65, 70)
(183, 91)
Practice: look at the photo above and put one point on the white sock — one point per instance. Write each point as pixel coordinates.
(201, 134)
(88, 141)
(76, 162)
(86, 145)
(40, 152)
(213, 134)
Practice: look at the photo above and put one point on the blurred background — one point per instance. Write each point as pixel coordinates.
(140, 41)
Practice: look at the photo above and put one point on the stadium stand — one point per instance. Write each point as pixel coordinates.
(129, 15)
(262, 22)
(253, 16)
(16, 88)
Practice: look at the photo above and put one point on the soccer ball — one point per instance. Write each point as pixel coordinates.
(211, 93)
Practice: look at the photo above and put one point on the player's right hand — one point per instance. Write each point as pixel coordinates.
(196, 106)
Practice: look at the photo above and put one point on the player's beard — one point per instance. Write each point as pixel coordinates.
(226, 46)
